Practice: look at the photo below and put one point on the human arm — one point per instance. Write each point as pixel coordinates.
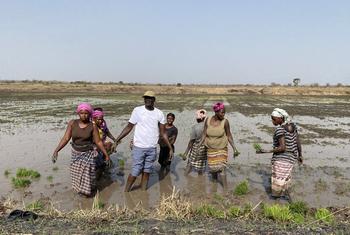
(172, 139)
(125, 132)
(63, 142)
(204, 133)
(166, 140)
(280, 149)
(229, 136)
(300, 155)
(189, 147)
(109, 134)
(99, 143)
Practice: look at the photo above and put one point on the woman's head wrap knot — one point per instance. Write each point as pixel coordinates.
(277, 112)
(97, 114)
(218, 106)
(84, 106)
(201, 114)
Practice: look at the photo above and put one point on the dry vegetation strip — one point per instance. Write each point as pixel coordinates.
(42, 86)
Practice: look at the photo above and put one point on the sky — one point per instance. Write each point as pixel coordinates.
(183, 41)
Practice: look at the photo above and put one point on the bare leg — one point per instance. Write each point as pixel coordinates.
(129, 183)
(144, 180)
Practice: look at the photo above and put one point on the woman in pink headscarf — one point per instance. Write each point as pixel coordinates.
(84, 135)
(197, 153)
(216, 136)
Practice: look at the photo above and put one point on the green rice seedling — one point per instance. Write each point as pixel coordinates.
(20, 182)
(121, 163)
(97, 204)
(242, 188)
(236, 153)
(35, 206)
(7, 173)
(278, 213)
(298, 207)
(23, 172)
(183, 156)
(208, 210)
(234, 211)
(49, 178)
(247, 208)
(55, 168)
(218, 197)
(257, 147)
(298, 218)
(324, 215)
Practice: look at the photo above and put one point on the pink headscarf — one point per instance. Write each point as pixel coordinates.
(97, 114)
(201, 114)
(84, 106)
(218, 106)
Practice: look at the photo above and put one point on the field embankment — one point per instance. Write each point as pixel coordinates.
(77, 87)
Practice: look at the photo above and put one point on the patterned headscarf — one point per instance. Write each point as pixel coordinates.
(277, 112)
(85, 106)
(97, 114)
(218, 106)
(201, 114)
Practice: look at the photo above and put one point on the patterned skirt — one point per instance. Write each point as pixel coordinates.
(281, 177)
(198, 157)
(217, 159)
(83, 172)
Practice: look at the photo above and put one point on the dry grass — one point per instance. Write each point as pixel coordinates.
(174, 207)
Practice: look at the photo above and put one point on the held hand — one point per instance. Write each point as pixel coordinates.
(54, 157)
(300, 160)
(131, 144)
(235, 152)
(108, 162)
(171, 154)
(261, 151)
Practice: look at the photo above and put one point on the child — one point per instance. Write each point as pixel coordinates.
(103, 130)
(171, 132)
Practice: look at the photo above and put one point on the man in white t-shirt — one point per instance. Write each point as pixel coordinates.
(149, 123)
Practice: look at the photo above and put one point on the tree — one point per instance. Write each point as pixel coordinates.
(296, 81)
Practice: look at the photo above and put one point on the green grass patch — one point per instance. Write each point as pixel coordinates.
(97, 203)
(298, 207)
(7, 173)
(298, 218)
(278, 213)
(234, 211)
(23, 173)
(324, 215)
(35, 206)
(242, 188)
(121, 163)
(218, 197)
(20, 182)
(208, 210)
(49, 178)
(257, 147)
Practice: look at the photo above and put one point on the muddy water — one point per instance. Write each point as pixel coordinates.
(31, 127)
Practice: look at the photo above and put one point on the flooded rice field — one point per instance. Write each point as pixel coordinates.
(31, 126)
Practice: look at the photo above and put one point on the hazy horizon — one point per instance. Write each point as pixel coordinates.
(187, 42)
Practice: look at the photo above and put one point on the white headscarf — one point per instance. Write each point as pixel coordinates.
(277, 112)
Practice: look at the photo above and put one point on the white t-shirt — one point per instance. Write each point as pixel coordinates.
(146, 126)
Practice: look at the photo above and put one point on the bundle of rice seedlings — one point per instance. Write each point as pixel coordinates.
(242, 188)
(324, 215)
(257, 147)
(23, 173)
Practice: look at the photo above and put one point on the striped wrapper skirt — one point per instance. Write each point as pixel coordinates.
(83, 172)
(198, 157)
(281, 177)
(217, 159)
